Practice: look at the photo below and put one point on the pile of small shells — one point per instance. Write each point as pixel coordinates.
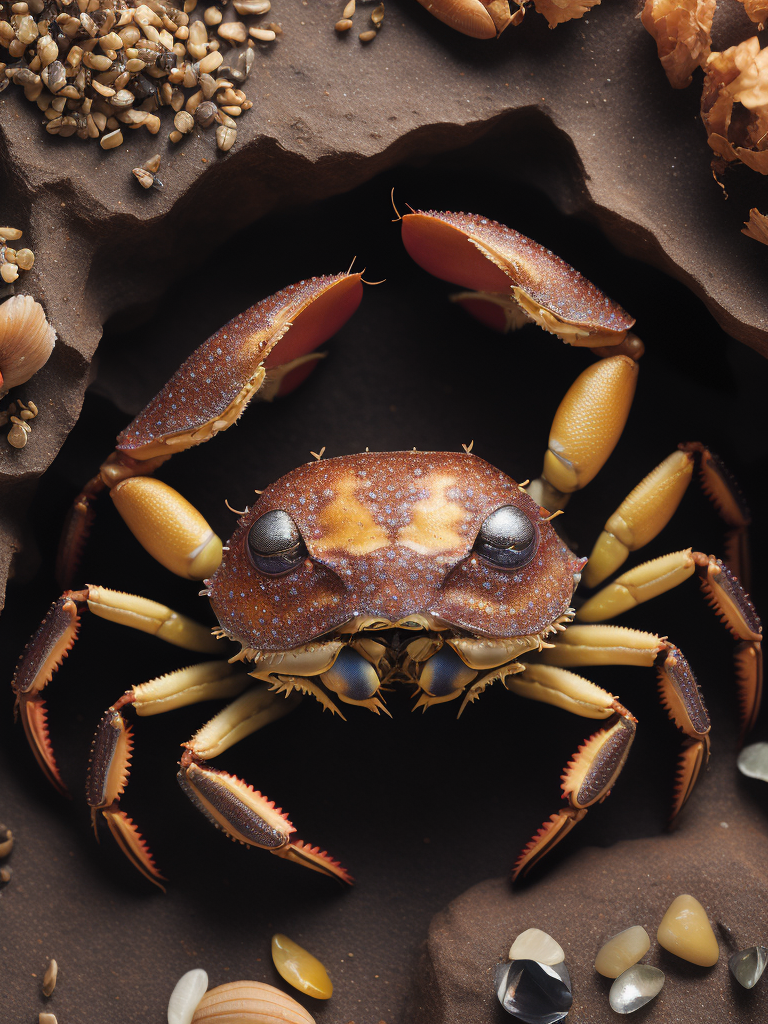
(97, 67)
(13, 260)
(368, 35)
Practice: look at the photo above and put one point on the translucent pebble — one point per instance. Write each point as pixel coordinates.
(622, 951)
(747, 965)
(685, 931)
(635, 987)
(300, 969)
(534, 993)
(534, 944)
(753, 761)
(189, 990)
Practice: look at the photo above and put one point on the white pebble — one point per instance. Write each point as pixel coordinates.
(189, 990)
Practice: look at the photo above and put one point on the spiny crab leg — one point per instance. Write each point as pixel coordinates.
(54, 639)
(725, 494)
(514, 280)
(242, 812)
(266, 350)
(112, 747)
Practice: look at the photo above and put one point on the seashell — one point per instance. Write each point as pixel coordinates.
(249, 1002)
(26, 340)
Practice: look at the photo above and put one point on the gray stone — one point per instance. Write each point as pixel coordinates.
(534, 992)
(747, 965)
(635, 987)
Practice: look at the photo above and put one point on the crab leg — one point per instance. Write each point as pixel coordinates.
(54, 639)
(587, 425)
(722, 590)
(112, 748)
(267, 350)
(596, 766)
(591, 774)
(243, 813)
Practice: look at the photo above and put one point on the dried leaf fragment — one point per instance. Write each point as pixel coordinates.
(756, 227)
(558, 11)
(734, 105)
(682, 31)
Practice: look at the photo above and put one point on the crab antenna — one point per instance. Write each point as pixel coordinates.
(236, 511)
(392, 200)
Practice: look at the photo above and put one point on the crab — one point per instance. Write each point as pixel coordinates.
(353, 575)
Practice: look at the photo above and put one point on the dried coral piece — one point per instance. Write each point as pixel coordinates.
(26, 340)
(558, 11)
(682, 31)
(738, 75)
(757, 11)
(756, 227)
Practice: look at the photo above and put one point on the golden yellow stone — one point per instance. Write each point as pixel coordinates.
(685, 931)
(622, 951)
(300, 969)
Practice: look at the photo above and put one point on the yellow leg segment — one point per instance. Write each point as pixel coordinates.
(586, 427)
(151, 617)
(638, 585)
(168, 527)
(640, 517)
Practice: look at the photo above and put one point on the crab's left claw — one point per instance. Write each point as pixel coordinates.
(315, 859)
(40, 659)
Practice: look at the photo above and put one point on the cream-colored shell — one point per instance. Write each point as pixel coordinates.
(249, 1002)
(26, 340)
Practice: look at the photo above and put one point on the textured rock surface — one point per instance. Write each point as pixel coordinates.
(585, 112)
(719, 855)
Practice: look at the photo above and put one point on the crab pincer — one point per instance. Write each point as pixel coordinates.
(512, 280)
(263, 352)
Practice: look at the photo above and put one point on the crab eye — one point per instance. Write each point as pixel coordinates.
(275, 544)
(507, 539)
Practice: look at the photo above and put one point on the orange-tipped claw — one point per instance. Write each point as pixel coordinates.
(34, 717)
(555, 828)
(315, 859)
(693, 758)
(130, 841)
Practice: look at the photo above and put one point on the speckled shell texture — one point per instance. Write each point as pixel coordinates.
(213, 376)
(549, 280)
(391, 534)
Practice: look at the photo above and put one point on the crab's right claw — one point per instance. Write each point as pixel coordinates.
(130, 841)
(248, 817)
(556, 827)
(40, 659)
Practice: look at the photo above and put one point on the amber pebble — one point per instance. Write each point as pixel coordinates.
(685, 931)
(300, 969)
(622, 951)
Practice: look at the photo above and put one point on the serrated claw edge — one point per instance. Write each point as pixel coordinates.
(315, 859)
(555, 828)
(34, 718)
(693, 757)
(133, 845)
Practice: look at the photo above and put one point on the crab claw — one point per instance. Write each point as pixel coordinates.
(39, 660)
(513, 280)
(247, 816)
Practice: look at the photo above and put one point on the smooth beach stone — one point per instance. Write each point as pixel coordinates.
(685, 931)
(533, 992)
(189, 990)
(753, 761)
(622, 951)
(300, 969)
(534, 944)
(747, 965)
(635, 987)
